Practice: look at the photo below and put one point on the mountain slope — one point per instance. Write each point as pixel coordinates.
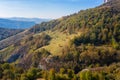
(85, 42)
(5, 33)
(82, 18)
(99, 28)
(113, 4)
(89, 38)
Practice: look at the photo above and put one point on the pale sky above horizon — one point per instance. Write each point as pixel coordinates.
(44, 8)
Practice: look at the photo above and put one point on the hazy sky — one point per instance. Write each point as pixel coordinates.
(44, 8)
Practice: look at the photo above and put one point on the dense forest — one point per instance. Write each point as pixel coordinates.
(81, 46)
(5, 33)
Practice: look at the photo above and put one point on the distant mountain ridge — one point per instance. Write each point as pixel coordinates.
(36, 20)
(19, 23)
(12, 24)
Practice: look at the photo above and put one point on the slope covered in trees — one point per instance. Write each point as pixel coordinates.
(82, 46)
(5, 33)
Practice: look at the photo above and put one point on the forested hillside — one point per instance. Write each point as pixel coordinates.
(82, 46)
(5, 33)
